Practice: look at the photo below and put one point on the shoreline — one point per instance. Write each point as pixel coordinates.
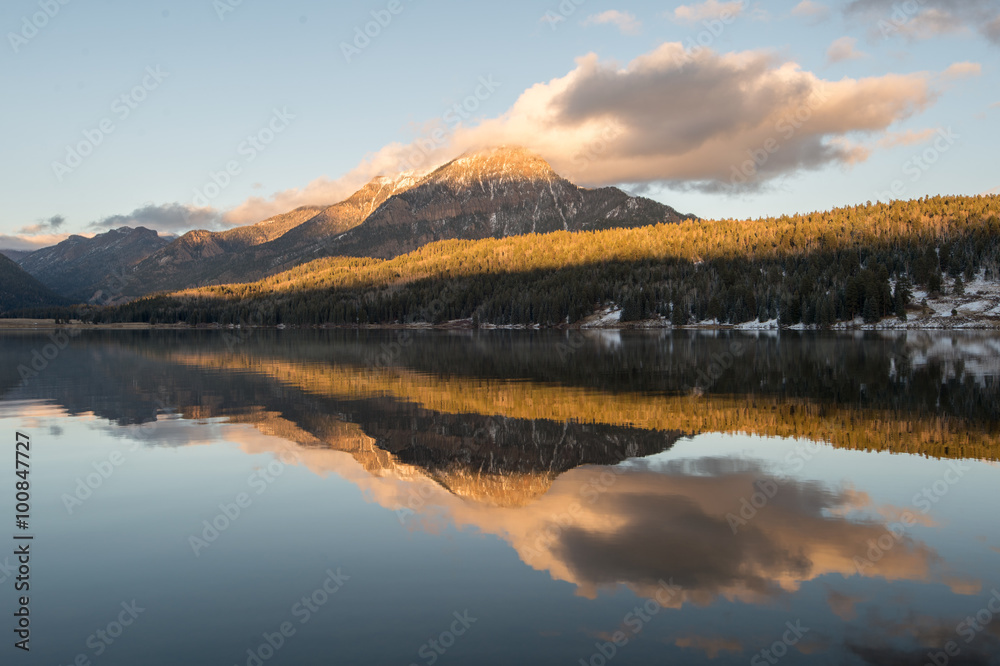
(466, 325)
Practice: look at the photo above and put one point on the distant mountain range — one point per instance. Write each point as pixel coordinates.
(253, 252)
(19, 290)
(16, 255)
(92, 269)
(493, 193)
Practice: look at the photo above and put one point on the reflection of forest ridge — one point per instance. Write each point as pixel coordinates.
(911, 372)
(469, 410)
(495, 461)
(842, 426)
(512, 458)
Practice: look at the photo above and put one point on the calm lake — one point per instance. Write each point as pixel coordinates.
(425, 497)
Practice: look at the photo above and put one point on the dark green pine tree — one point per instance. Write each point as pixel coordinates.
(959, 288)
(934, 282)
(679, 315)
(902, 296)
(871, 311)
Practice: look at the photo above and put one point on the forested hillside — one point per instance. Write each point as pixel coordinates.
(820, 268)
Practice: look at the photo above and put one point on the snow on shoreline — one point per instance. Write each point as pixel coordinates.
(978, 308)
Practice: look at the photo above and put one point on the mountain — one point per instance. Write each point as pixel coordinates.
(206, 257)
(253, 252)
(494, 193)
(19, 290)
(319, 236)
(505, 191)
(92, 269)
(817, 270)
(16, 255)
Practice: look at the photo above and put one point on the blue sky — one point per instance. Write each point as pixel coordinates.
(595, 87)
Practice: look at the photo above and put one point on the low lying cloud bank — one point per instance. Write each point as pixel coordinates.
(170, 218)
(30, 243)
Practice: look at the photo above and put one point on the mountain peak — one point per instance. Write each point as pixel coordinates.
(502, 191)
(382, 187)
(503, 163)
(506, 152)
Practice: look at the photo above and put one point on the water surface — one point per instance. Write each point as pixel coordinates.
(506, 498)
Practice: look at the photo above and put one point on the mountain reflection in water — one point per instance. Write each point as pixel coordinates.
(752, 471)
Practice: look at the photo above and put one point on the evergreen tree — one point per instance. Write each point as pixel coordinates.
(959, 288)
(903, 294)
(679, 316)
(871, 311)
(934, 282)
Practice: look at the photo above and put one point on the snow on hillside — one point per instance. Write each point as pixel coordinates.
(978, 307)
(608, 317)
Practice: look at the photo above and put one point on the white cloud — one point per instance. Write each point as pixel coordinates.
(844, 49)
(43, 227)
(708, 11)
(668, 117)
(626, 22)
(928, 18)
(168, 217)
(907, 138)
(962, 70)
(32, 242)
(992, 30)
(324, 191)
(931, 22)
(810, 9)
(692, 121)
(35, 236)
